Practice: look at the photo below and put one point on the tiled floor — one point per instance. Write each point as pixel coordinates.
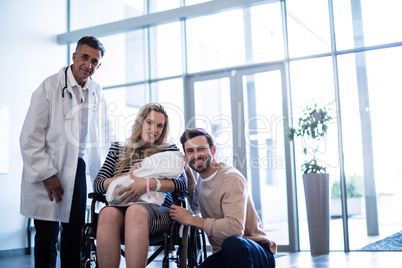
(283, 260)
(341, 260)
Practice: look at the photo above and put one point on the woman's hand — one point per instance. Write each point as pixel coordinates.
(190, 177)
(135, 190)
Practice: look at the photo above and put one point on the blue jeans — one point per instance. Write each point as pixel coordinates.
(47, 231)
(239, 252)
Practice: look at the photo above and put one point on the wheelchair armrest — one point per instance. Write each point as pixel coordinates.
(179, 197)
(181, 193)
(98, 197)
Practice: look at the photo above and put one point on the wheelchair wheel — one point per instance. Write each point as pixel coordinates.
(88, 248)
(184, 248)
(197, 248)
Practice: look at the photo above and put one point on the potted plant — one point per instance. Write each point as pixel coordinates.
(312, 129)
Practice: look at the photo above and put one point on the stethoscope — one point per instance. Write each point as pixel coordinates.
(94, 105)
(65, 86)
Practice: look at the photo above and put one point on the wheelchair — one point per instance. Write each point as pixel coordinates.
(183, 245)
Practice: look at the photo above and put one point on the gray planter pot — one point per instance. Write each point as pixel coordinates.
(316, 190)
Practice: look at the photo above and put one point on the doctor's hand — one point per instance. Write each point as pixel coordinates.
(54, 188)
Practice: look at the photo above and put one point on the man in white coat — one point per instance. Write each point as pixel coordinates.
(65, 135)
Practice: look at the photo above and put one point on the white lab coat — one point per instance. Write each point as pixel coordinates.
(49, 147)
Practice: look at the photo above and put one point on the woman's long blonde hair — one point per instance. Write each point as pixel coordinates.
(135, 144)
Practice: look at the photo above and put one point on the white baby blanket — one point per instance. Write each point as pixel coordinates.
(168, 164)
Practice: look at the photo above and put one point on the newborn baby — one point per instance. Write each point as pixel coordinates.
(165, 165)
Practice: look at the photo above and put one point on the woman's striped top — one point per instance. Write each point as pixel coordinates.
(109, 170)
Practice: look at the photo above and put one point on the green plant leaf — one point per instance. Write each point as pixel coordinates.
(312, 125)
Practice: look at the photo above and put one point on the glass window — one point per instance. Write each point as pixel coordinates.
(125, 102)
(266, 171)
(136, 56)
(312, 82)
(381, 21)
(266, 33)
(352, 150)
(169, 93)
(308, 27)
(162, 5)
(137, 96)
(374, 22)
(343, 24)
(124, 60)
(123, 105)
(215, 41)
(374, 103)
(165, 50)
(194, 2)
(98, 12)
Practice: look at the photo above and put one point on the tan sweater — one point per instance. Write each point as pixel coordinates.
(227, 207)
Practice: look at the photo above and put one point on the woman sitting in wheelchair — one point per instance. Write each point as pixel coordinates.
(136, 221)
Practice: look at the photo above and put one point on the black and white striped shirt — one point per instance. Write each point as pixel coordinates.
(109, 170)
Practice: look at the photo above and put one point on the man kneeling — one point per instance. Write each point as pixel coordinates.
(228, 214)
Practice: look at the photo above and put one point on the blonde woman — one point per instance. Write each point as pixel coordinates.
(138, 221)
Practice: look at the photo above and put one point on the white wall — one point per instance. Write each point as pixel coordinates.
(29, 53)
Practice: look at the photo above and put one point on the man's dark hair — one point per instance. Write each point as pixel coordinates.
(92, 42)
(194, 132)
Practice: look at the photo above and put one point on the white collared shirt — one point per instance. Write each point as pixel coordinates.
(81, 95)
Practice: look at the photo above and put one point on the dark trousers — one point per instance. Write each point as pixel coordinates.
(239, 252)
(47, 231)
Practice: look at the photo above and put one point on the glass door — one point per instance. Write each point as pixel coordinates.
(211, 110)
(246, 111)
(267, 151)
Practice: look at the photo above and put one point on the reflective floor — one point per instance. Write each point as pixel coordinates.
(283, 260)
